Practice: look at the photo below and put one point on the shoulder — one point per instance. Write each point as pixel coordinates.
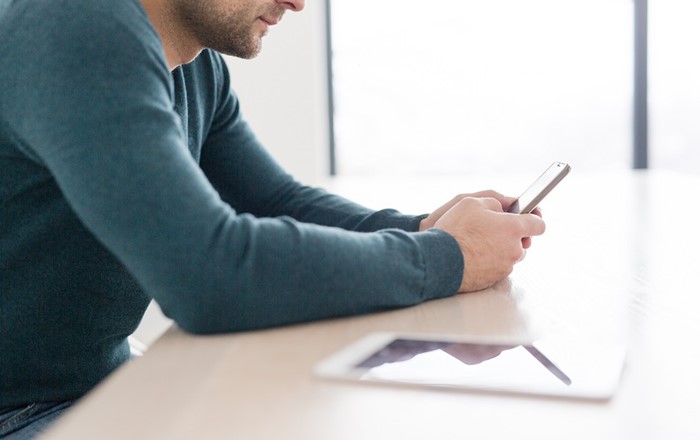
(43, 28)
(80, 43)
(97, 58)
(68, 14)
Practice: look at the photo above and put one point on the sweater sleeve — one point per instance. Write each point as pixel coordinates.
(94, 107)
(248, 178)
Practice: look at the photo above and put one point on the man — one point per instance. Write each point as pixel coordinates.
(129, 174)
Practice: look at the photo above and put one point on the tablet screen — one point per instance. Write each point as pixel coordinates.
(565, 368)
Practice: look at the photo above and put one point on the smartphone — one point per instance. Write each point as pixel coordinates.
(532, 196)
(556, 366)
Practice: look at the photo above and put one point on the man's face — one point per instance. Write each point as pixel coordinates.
(232, 27)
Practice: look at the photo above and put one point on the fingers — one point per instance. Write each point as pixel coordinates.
(470, 204)
(531, 229)
(430, 221)
(491, 203)
(520, 225)
(531, 225)
(486, 194)
(504, 201)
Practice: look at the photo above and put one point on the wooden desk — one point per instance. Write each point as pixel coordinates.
(619, 262)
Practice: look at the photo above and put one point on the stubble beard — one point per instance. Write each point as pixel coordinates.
(230, 32)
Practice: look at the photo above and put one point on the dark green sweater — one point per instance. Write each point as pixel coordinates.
(122, 182)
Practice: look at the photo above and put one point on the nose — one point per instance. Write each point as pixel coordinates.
(293, 5)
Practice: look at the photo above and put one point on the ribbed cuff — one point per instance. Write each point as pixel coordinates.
(444, 263)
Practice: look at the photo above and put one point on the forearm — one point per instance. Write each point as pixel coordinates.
(212, 270)
(300, 272)
(251, 181)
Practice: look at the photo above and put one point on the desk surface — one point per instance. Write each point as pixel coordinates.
(618, 263)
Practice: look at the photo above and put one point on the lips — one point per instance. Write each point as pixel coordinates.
(271, 21)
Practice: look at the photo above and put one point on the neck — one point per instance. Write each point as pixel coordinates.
(180, 47)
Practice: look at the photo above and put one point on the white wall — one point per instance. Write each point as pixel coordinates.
(283, 93)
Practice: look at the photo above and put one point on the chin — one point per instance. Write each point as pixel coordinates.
(245, 52)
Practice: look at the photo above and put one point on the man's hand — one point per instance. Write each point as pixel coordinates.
(430, 220)
(492, 241)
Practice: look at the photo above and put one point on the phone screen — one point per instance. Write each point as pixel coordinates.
(532, 196)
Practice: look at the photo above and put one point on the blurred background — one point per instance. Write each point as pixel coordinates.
(369, 87)
(507, 85)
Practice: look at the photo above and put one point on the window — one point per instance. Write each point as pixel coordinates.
(457, 86)
(674, 85)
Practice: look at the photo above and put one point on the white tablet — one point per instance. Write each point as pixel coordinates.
(552, 366)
